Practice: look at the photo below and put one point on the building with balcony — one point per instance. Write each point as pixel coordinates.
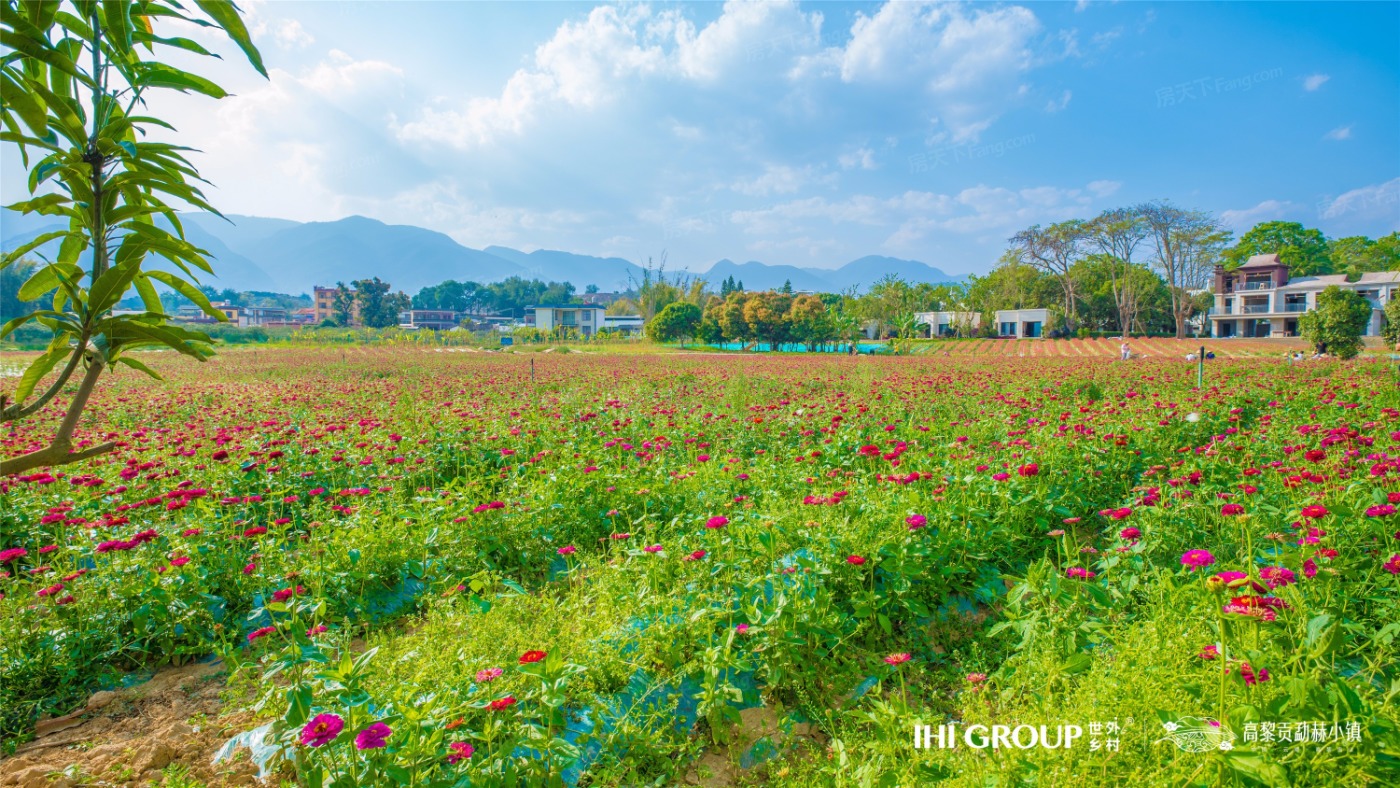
(584, 319)
(435, 319)
(1260, 299)
(949, 324)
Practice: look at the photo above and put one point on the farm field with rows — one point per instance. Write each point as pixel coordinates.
(402, 567)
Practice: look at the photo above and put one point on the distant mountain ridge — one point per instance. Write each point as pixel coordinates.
(259, 253)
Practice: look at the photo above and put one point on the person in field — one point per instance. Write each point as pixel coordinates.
(1125, 352)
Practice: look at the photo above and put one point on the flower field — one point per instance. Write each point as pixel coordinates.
(450, 569)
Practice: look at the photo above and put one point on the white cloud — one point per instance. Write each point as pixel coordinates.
(1378, 201)
(1246, 218)
(291, 35)
(863, 158)
(684, 132)
(1103, 188)
(1338, 134)
(775, 179)
(1314, 81)
(1058, 105)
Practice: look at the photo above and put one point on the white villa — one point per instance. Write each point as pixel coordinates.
(1022, 323)
(586, 319)
(947, 324)
(1260, 299)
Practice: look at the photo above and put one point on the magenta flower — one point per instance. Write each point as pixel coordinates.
(916, 521)
(373, 737)
(459, 751)
(655, 548)
(897, 659)
(1197, 559)
(13, 554)
(855, 560)
(488, 675)
(1231, 509)
(322, 730)
(1079, 572)
(1276, 576)
(260, 632)
(718, 521)
(567, 549)
(1393, 565)
(742, 629)
(1315, 511)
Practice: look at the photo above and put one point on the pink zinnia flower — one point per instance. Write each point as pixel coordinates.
(1001, 477)
(1197, 559)
(855, 560)
(916, 521)
(695, 556)
(1315, 511)
(897, 659)
(567, 549)
(1209, 652)
(1276, 576)
(322, 730)
(718, 521)
(260, 632)
(1393, 565)
(742, 629)
(373, 737)
(1079, 572)
(1231, 509)
(459, 751)
(655, 548)
(1029, 469)
(1130, 534)
(488, 675)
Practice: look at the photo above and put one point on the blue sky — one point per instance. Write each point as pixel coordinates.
(807, 134)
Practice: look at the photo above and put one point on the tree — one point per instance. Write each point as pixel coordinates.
(1117, 234)
(809, 322)
(73, 77)
(378, 307)
(11, 279)
(1390, 329)
(1186, 245)
(1357, 254)
(767, 316)
(1054, 250)
(1338, 323)
(1303, 250)
(343, 307)
(591, 289)
(680, 320)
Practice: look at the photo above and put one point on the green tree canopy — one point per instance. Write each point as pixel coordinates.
(1302, 249)
(679, 320)
(1338, 323)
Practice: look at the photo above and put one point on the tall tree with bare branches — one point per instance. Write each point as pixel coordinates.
(1118, 234)
(1055, 249)
(1186, 246)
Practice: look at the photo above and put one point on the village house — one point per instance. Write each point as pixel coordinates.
(1260, 299)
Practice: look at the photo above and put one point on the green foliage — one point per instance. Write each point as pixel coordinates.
(680, 320)
(377, 307)
(1338, 323)
(1303, 250)
(1391, 328)
(74, 86)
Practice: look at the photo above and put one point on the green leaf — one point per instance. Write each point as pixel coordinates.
(111, 286)
(45, 279)
(225, 15)
(30, 108)
(159, 75)
(14, 256)
(137, 365)
(36, 371)
(149, 297)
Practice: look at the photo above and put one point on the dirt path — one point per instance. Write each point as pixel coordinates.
(162, 732)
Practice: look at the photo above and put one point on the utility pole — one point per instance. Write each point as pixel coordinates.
(1201, 367)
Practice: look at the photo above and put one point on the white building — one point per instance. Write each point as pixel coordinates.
(1260, 299)
(1022, 323)
(582, 318)
(947, 324)
(629, 325)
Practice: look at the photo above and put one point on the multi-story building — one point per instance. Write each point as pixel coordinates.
(324, 299)
(584, 319)
(1260, 299)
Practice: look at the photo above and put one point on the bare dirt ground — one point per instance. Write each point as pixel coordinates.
(160, 733)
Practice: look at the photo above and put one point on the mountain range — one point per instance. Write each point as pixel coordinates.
(279, 255)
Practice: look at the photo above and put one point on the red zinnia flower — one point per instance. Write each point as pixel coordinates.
(502, 703)
(531, 656)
